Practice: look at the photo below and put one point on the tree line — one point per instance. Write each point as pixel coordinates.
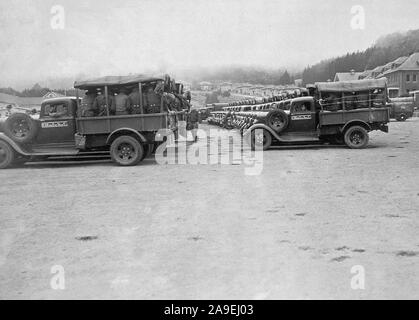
(385, 50)
(37, 91)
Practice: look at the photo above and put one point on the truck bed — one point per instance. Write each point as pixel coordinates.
(138, 122)
(381, 115)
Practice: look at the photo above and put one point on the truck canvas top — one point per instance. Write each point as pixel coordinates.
(352, 86)
(115, 81)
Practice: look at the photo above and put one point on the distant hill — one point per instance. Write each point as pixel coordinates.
(385, 49)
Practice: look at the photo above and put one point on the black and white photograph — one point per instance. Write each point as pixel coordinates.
(215, 150)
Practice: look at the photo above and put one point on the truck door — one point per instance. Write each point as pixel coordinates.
(303, 117)
(57, 123)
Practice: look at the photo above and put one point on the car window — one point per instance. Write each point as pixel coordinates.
(302, 107)
(59, 109)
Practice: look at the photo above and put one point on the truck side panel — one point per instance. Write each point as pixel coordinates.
(327, 118)
(106, 125)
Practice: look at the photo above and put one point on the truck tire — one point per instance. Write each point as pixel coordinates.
(277, 120)
(7, 155)
(126, 151)
(401, 117)
(261, 138)
(21, 128)
(356, 137)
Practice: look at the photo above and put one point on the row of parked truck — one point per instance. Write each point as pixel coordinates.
(338, 113)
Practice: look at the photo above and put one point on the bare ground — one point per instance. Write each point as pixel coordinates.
(212, 232)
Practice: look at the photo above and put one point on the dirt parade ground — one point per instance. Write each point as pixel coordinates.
(311, 221)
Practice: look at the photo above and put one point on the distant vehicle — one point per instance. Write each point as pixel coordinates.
(402, 109)
(339, 113)
(60, 132)
(217, 106)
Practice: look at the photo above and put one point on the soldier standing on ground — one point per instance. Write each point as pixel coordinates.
(193, 120)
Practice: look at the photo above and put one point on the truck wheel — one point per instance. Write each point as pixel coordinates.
(356, 137)
(401, 117)
(277, 120)
(21, 128)
(261, 139)
(126, 151)
(7, 155)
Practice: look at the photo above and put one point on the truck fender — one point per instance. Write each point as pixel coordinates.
(246, 135)
(125, 131)
(356, 123)
(13, 144)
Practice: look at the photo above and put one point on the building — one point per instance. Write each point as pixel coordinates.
(298, 83)
(226, 87)
(402, 75)
(347, 76)
(52, 94)
(205, 86)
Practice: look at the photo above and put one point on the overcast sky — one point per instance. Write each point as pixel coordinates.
(122, 36)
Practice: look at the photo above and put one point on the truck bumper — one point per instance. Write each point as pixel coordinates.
(384, 128)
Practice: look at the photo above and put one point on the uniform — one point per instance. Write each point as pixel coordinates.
(135, 101)
(168, 99)
(87, 108)
(193, 120)
(170, 103)
(121, 104)
(100, 104)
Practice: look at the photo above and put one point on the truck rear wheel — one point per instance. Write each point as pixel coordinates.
(126, 151)
(7, 155)
(356, 137)
(401, 117)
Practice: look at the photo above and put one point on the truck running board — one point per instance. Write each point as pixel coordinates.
(299, 137)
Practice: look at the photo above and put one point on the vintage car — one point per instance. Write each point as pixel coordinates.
(340, 112)
(61, 132)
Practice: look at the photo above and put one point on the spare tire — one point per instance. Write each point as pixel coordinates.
(277, 120)
(21, 128)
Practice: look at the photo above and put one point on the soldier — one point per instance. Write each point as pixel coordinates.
(121, 104)
(100, 103)
(188, 96)
(135, 101)
(169, 100)
(86, 108)
(193, 123)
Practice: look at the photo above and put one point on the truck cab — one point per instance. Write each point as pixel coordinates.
(57, 121)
